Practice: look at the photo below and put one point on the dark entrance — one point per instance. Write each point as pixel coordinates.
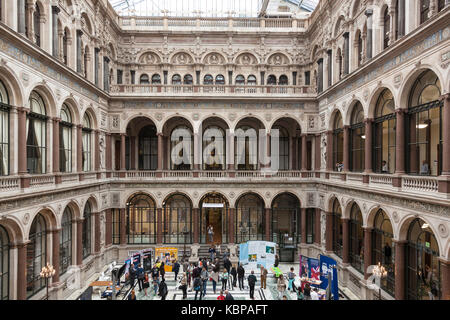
(213, 213)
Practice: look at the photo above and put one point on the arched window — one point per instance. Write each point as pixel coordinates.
(386, 27)
(220, 79)
(383, 249)
(272, 80)
(156, 79)
(37, 25)
(144, 79)
(337, 228)
(148, 148)
(240, 80)
(182, 148)
(36, 135)
(214, 148)
(177, 220)
(36, 255)
(65, 241)
(141, 210)
(338, 143)
(384, 137)
(250, 222)
(423, 272)
(356, 238)
(283, 80)
(251, 80)
(357, 139)
(286, 221)
(208, 79)
(87, 143)
(424, 128)
(246, 148)
(65, 140)
(4, 264)
(87, 231)
(176, 79)
(4, 131)
(283, 143)
(424, 10)
(188, 80)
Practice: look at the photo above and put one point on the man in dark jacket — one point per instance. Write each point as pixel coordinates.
(140, 276)
(227, 264)
(132, 275)
(234, 274)
(163, 289)
(162, 271)
(228, 295)
(176, 269)
(196, 272)
(251, 283)
(241, 274)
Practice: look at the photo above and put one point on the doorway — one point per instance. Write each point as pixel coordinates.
(214, 218)
(214, 212)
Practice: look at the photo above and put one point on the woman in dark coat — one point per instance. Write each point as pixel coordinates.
(162, 272)
(163, 289)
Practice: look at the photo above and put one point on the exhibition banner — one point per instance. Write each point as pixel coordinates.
(255, 254)
(313, 269)
(303, 272)
(328, 266)
(168, 256)
(147, 259)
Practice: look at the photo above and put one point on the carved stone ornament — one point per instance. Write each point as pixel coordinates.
(395, 217)
(231, 195)
(159, 194)
(159, 116)
(443, 231)
(232, 116)
(26, 218)
(195, 194)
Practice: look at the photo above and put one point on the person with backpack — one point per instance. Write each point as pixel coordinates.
(241, 274)
(291, 278)
(204, 276)
(224, 279)
(141, 276)
(176, 269)
(251, 283)
(197, 287)
(163, 289)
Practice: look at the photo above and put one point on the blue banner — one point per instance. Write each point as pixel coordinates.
(328, 266)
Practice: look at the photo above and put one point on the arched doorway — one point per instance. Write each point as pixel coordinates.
(337, 237)
(36, 255)
(141, 219)
(4, 264)
(286, 221)
(422, 263)
(338, 143)
(214, 212)
(356, 237)
(177, 220)
(250, 222)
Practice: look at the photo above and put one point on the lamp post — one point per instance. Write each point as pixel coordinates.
(379, 273)
(47, 272)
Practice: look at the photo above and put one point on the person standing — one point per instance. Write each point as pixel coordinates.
(212, 252)
(197, 287)
(263, 277)
(162, 271)
(227, 264)
(307, 292)
(281, 286)
(214, 279)
(228, 295)
(176, 269)
(291, 278)
(221, 296)
(141, 276)
(204, 276)
(163, 289)
(251, 283)
(241, 274)
(233, 273)
(224, 279)
(189, 274)
(211, 233)
(132, 275)
(183, 285)
(300, 295)
(146, 283)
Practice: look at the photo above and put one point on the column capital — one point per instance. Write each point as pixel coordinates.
(56, 9)
(19, 245)
(368, 12)
(401, 111)
(79, 126)
(445, 96)
(23, 109)
(368, 120)
(56, 119)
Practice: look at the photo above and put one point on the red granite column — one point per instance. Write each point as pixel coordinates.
(97, 232)
(55, 251)
(133, 153)
(268, 223)
(318, 229)
(22, 271)
(22, 148)
(330, 139)
(345, 240)
(55, 146)
(445, 272)
(108, 228)
(346, 148)
(368, 146)
(123, 227)
(400, 142)
(159, 226)
(303, 225)
(317, 157)
(232, 224)
(367, 250)
(304, 152)
(108, 155)
(79, 242)
(329, 232)
(400, 269)
(196, 225)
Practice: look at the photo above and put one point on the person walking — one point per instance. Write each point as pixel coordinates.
(221, 296)
(233, 273)
(224, 279)
(291, 278)
(251, 283)
(176, 269)
(162, 270)
(163, 289)
(227, 264)
(183, 285)
(212, 252)
(204, 276)
(141, 276)
(214, 279)
(189, 274)
(132, 275)
(241, 275)
(264, 273)
(281, 287)
(197, 287)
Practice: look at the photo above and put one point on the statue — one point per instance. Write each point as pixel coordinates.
(102, 153)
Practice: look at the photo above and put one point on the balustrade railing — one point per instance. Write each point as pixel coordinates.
(420, 184)
(9, 184)
(354, 178)
(379, 179)
(41, 181)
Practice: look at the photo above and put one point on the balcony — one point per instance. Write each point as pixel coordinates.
(147, 90)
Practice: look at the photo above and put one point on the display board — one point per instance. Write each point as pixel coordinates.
(254, 254)
(167, 255)
(328, 270)
(147, 259)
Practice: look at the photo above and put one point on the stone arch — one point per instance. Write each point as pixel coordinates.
(50, 217)
(87, 20)
(112, 51)
(208, 59)
(405, 223)
(13, 86)
(165, 121)
(246, 58)
(214, 115)
(74, 109)
(148, 117)
(300, 199)
(314, 52)
(274, 120)
(90, 111)
(347, 116)
(338, 24)
(355, 8)
(75, 208)
(249, 116)
(348, 207)
(14, 228)
(177, 192)
(254, 192)
(285, 59)
(373, 98)
(93, 201)
(329, 203)
(131, 194)
(369, 218)
(333, 115)
(175, 57)
(141, 57)
(47, 95)
(405, 88)
(204, 194)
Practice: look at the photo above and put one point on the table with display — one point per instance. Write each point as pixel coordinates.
(314, 283)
